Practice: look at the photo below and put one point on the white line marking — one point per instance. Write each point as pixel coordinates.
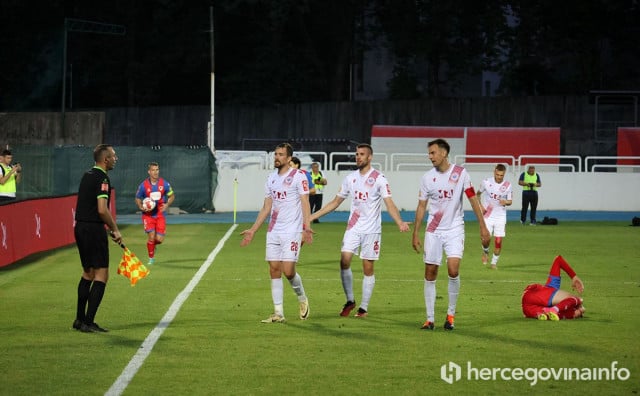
(147, 345)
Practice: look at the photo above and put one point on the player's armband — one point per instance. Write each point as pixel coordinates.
(471, 192)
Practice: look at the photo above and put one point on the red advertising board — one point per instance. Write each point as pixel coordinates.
(628, 145)
(514, 142)
(36, 225)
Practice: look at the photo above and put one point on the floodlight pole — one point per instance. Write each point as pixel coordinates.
(79, 25)
(211, 130)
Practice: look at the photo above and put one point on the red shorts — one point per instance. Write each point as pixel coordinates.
(536, 297)
(157, 224)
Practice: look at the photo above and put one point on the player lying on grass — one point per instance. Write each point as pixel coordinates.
(548, 302)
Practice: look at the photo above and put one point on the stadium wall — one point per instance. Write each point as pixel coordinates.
(309, 122)
(560, 190)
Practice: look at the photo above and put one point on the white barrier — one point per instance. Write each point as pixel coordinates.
(590, 191)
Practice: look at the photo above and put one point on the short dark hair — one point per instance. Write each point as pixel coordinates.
(365, 145)
(501, 168)
(286, 146)
(153, 163)
(296, 161)
(440, 143)
(100, 151)
(6, 152)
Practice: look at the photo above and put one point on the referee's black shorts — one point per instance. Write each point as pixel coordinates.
(92, 242)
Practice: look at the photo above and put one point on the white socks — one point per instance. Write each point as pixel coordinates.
(430, 298)
(347, 283)
(296, 284)
(368, 282)
(277, 295)
(454, 290)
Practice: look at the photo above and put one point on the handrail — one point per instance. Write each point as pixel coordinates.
(594, 158)
(574, 157)
(409, 165)
(352, 154)
(605, 166)
(394, 156)
(558, 165)
(398, 161)
(511, 157)
(312, 153)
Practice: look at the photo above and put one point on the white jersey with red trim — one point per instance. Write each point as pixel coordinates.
(492, 193)
(366, 192)
(285, 191)
(444, 193)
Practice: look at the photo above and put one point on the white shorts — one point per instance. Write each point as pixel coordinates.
(283, 247)
(367, 244)
(496, 226)
(452, 242)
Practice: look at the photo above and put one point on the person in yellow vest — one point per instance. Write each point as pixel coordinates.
(10, 176)
(530, 181)
(315, 200)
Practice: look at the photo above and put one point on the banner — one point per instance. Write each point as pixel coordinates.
(37, 225)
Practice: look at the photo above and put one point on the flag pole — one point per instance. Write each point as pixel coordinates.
(235, 196)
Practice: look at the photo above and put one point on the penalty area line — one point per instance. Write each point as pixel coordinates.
(147, 345)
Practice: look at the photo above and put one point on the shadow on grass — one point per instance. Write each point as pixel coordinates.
(37, 257)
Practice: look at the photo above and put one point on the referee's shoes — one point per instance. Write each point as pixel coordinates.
(88, 328)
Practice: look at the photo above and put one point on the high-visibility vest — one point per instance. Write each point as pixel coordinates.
(317, 177)
(530, 179)
(8, 189)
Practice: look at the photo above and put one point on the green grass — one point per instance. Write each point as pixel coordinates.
(217, 345)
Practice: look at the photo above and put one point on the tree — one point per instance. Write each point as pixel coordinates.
(285, 51)
(451, 39)
(572, 47)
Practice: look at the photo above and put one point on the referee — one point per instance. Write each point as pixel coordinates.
(92, 214)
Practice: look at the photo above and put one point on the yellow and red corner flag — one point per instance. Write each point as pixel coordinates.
(131, 267)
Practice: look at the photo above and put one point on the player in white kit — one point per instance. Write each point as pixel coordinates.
(367, 188)
(495, 195)
(443, 188)
(286, 201)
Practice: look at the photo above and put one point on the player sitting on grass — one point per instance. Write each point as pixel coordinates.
(548, 302)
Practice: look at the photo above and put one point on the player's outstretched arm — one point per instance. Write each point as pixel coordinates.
(328, 208)
(262, 216)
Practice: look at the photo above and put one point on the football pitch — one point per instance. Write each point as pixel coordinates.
(192, 327)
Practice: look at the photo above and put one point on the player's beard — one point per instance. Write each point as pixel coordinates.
(278, 165)
(362, 165)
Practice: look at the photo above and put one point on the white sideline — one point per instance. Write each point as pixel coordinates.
(147, 345)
